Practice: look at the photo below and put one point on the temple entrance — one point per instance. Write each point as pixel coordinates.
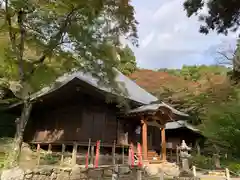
(150, 138)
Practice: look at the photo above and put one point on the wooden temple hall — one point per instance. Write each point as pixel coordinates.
(74, 110)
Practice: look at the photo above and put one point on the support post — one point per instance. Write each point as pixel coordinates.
(139, 174)
(115, 173)
(49, 148)
(88, 152)
(144, 139)
(113, 153)
(92, 156)
(164, 149)
(177, 154)
(227, 174)
(161, 175)
(63, 152)
(123, 154)
(38, 154)
(194, 171)
(74, 154)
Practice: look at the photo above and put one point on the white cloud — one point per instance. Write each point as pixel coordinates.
(164, 37)
(145, 42)
(168, 38)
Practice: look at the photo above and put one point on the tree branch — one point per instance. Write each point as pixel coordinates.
(224, 55)
(21, 44)
(53, 42)
(12, 35)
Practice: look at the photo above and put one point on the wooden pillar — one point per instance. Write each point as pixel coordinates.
(164, 148)
(144, 140)
(74, 154)
(63, 152)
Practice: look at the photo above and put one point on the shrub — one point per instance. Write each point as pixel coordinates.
(232, 164)
(235, 167)
(50, 159)
(203, 162)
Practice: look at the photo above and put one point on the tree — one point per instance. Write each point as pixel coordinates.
(53, 37)
(127, 61)
(207, 94)
(231, 58)
(221, 126)
(222, 15)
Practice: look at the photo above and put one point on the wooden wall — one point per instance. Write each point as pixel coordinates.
(77, 118)
(74, 123)
(174, 136)
(177, 135)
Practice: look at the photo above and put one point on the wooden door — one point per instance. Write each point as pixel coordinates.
(98, 126)
(86, 126)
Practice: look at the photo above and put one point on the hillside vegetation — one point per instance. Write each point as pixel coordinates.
(208, 94)
(177, 85)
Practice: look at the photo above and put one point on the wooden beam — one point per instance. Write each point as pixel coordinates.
(144, 139)
(164, 148)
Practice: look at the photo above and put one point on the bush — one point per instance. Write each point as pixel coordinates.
(202, 162)
(235, 167)
(232, 164)
(6, 146)
(50, 159)
(2, 157)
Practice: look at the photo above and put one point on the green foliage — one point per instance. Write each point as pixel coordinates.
(194, 88)
(195, 73)
(222, 124)
(213, 103)
(175, 72)
(50, 159)
(235, 62)
(47, 39)
(6, 146)
(234, 167)
(203, 162)
(222, 15)
(127, 61)
(190, 72)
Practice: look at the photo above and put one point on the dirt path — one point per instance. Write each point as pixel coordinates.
(207, 177)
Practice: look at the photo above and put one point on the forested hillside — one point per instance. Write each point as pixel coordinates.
(176, 85)
(208, 94)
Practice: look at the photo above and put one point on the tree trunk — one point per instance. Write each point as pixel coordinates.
(216, 159)
(20, 127)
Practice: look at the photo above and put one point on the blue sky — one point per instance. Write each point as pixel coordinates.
(168, 39)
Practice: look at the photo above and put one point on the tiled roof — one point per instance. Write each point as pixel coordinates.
(155, 107)
(134, 92)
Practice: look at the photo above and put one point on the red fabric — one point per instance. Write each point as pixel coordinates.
(139, 155)
(86, 165)
(97, 154)
(132, 155)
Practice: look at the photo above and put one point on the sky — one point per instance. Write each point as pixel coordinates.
(169, 39)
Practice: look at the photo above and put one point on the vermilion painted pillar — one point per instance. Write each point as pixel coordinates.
(144, 139)
(164, 148)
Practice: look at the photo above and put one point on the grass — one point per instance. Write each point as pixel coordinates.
(5, 144)
(2, 157)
